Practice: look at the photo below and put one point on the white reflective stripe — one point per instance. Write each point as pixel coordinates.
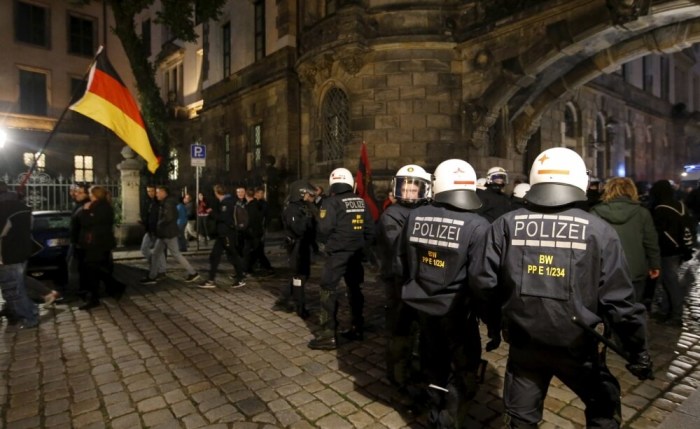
(453, 246)
(517, 242)
(535, 216)
(579, 246)
(458, 222)
(547, 243)
(562, 217)
(564, 244)
(581, 220)
(519, 217)
(555, 217)
(535, 243)
(437, 219)
(433, 242)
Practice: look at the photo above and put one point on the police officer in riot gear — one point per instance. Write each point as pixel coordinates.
(439, 244)
(345, 225)
(411, 188)
(558, 272)
(494, 202)
(299, 218)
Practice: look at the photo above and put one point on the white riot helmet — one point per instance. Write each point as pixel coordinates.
(341, 180)
(481, 183)
(455, 184)
(558, 177)
(520, 190)
(411, 184)
(497, 176)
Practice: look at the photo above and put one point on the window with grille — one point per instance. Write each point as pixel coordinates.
(226, 48)
(259, 29)
(256, 139)
(336, 125)
(174, 170)
(32, 24)
(29, 159)
(83, 168)
(32, 93)
(81, 35)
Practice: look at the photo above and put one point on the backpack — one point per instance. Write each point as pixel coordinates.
(686, 235)
(240, 218)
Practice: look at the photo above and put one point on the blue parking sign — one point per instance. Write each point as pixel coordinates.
(198, 153)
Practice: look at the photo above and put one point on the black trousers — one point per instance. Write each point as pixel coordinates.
(225, 244)
(345, 265)
(96, 267)
(530, 370)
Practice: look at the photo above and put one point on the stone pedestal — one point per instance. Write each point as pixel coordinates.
(130, 231)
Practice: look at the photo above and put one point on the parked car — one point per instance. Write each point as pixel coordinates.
(51, 230)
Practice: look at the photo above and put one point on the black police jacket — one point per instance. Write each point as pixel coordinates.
(546, 267)
(344, 223)
(15, 232)
(494, 203)
(438, 249)
(389, 228)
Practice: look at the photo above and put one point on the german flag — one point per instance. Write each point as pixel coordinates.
(108, 101)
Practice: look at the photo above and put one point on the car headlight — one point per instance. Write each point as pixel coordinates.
(56, 242)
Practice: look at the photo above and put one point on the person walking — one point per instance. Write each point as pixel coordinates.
(202, 219)
(620, 207)
(344, 226)
(226, 236)
(551, 273)
(439, 245)
(149, 219)
(411, 188)
(182, 224)
(166, 238)
(667, 213)
(299, 219)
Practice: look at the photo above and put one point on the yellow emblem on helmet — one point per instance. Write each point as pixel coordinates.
(322, 213)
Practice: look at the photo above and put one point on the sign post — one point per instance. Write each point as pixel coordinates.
(198, 156)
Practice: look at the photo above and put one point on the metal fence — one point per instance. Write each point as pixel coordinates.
(43, 192)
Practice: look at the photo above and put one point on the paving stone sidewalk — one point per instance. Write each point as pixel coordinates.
(175, 356)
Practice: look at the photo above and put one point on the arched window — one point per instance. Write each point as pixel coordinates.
(570, 121)
(335, 119)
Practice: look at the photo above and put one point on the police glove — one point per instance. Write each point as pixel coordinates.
(641, 367)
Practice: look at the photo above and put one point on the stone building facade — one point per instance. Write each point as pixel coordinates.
(492, 82)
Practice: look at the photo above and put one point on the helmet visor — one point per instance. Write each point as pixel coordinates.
(499, 178)
(410, 188)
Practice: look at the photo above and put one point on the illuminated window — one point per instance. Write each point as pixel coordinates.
(174, 170)
(257, 145)
(29, 158)
(83, 168)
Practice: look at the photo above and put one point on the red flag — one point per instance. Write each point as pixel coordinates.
(108, 101)
(363, 181)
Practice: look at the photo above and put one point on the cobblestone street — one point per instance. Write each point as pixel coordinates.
(172, 355)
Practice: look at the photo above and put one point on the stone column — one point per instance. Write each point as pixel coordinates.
(130, 231)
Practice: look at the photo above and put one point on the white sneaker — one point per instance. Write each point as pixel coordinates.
(209, 284)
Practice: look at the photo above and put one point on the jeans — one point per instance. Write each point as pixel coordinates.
(14, 292)
(147, 245)
(159, 256)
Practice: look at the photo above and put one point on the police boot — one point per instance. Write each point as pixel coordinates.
(325, 339)
(357, 302)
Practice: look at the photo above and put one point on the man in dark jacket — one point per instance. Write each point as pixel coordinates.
(667, 213)
(556, 272)
(494, 202)
(411, 189)
(15, 249)
(440, 243)
(345, 226)
(255, 237)
(166, 237)
(149, 219)
(75, 257)
(299, 218)
(225, 239)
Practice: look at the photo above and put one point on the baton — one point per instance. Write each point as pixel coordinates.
(608, 343)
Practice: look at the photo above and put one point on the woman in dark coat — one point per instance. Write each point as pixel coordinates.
(96, 242)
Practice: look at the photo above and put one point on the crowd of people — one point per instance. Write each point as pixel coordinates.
(542, 268)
